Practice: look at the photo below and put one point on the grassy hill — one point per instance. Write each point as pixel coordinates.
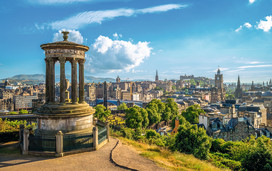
(168, 159)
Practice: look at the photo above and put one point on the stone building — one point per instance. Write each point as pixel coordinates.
(237, 129)
(218, 91)
(23, 102)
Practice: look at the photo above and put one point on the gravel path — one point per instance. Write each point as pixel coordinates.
(95, 160)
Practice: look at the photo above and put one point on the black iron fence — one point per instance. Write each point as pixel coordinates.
(102, 134)
(75, 142)
(39, 143)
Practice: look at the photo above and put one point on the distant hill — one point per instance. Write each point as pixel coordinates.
(40, 78)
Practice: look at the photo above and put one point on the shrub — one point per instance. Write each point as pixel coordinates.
(193, 140)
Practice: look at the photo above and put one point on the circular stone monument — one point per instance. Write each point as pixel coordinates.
(71, 117)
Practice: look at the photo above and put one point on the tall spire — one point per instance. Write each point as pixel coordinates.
(238, 82)
(157, 76)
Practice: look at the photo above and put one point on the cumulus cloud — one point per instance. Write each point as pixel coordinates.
(74, 36)
(109, 55)
(265, 25)
(245, 25)
(90, 17)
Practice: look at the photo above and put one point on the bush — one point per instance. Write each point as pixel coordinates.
(151, 134)
(193, 140)
(127, 133)
(217, 145)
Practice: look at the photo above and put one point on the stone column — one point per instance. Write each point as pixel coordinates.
(81, 80)
(52, 80)
(59, 144)
(74, 80)
(26, 142)
(95, 138)
(47, 96)
(62, 61)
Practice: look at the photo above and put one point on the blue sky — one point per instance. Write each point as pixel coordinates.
(133, 38)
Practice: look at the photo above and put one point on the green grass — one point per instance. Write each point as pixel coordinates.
(168, 159)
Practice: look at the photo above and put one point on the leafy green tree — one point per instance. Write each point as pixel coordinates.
(191, 114)
(101, 112)
(258, 157)
(144, 114)
(166, 116)
(193, 140)
(173, 106)
(153, 116)
(134, 118)
(122, 106)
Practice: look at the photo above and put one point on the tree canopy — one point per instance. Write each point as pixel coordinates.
(101, 112)
(122, 106)
(191, 114)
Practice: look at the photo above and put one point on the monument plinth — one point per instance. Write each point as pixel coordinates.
(73, 116)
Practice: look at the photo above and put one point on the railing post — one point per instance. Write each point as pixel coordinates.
(59, 144)
(108, 130)
(25, 142)
(95, 138)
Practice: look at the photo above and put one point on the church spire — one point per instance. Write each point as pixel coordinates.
(157, 76)
(238, 82)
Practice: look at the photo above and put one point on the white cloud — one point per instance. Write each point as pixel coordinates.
(265, 25)
(161, 8)
(117, 36)
(251, 1)
(109, 55)
(239, 28)
(52, 2)
(91, 17)
(254, 62)
(247, 25)
(74, 36)
(254, 66)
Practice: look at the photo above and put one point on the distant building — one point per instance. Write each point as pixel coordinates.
(218, 92)
(238, 92)
(23, 102)
(157, 76)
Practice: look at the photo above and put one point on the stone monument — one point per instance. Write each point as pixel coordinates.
(71, 117)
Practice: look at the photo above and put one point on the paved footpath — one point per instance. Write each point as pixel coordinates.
(94, 160)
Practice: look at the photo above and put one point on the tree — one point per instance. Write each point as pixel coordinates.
(101, 112)
(191, 114)
(193, 140)
(122, 106)
(144, 114)
(153, 116)
(259, 156)
(134, 118)
(172, 105)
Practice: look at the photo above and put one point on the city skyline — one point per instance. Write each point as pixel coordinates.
(134, 38)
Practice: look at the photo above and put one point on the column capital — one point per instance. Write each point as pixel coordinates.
(62, 59)
(81, 61)
(74, 60)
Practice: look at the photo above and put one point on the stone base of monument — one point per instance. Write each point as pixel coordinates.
(74, 124)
